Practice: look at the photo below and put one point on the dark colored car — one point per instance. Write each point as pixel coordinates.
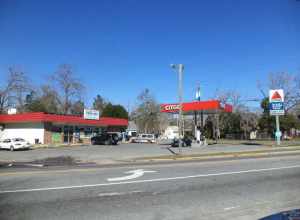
(186, 142)
(106, 139)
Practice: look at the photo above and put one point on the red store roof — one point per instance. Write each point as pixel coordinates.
(209, 106)
(65, 119)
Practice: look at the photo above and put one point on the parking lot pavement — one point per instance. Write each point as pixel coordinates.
(109, 154)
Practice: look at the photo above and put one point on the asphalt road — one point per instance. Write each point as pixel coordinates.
(239, 189)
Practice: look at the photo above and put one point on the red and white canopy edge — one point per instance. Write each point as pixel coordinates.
(61, 119)
(208, 107)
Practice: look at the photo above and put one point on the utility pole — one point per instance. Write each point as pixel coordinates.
(198, 98)
(201, 112)
(128, 107)
(180, 94)
(179, 68)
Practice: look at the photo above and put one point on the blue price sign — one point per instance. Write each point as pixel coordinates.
(276, 108)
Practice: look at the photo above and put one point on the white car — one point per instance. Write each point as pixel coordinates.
(14, 144)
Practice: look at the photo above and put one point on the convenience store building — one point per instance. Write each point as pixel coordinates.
(43, 128)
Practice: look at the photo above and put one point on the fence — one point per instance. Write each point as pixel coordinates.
(242, 136)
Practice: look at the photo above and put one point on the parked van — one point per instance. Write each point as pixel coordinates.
(144, 138)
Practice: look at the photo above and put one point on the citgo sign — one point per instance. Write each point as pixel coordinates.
(170, 107)
(276, 95)
(276, 99)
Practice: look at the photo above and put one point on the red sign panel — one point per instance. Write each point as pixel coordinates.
(196, 106)
(169, 107)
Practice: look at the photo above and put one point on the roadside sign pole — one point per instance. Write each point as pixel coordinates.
(277, 130)
(198, 98)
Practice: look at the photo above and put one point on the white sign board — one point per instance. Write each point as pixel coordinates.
(276, 108)
(91, 114)
(276, 95)
(276, 112)
(12, 111)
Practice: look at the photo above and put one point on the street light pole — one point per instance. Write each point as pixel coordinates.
(179, 68)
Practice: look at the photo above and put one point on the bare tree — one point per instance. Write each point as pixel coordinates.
(99, 103)
(296, 94)
(242, 119)
(15, 89)
(77, 108)
(50, 99)
(261, 89)
(4, 96)
(45, 99)
(163, 121)
(248, 123)
(69, 87)
(230, 97)
(287, 82)
(20, 87)
(147, 113)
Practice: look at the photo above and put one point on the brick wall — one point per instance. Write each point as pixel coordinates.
(86, 140)
(47, 133)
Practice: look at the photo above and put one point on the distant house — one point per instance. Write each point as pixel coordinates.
(171, 132)
(131, 129)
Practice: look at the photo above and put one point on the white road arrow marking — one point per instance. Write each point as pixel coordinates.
(134, 174)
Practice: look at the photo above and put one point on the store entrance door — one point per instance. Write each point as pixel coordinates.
(68, 134)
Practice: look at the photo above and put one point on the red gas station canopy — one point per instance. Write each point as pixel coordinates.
(210, 106)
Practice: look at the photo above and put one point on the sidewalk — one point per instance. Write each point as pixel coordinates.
(224, 154)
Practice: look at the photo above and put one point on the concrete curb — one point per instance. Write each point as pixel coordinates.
(223, 155)
(137, 161)
(206, 158)
(56, 146)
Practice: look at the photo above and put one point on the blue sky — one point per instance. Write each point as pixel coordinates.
(118, 48)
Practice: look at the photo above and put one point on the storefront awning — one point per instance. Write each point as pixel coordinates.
(61, 119)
